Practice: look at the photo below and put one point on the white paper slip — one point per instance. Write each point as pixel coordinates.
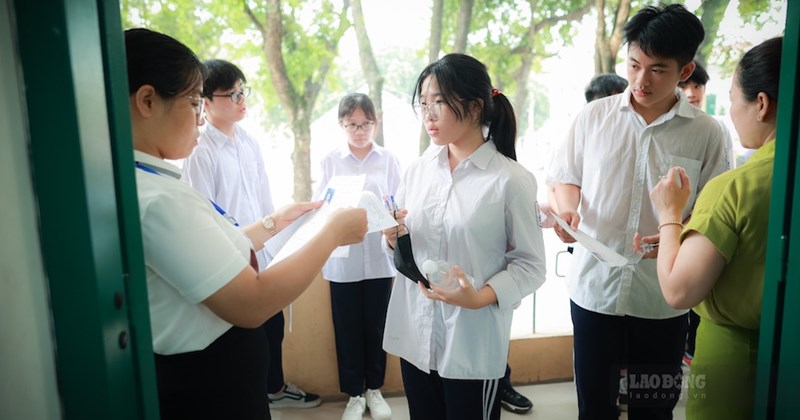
(305, 231)
(599, 250)
(378, 218)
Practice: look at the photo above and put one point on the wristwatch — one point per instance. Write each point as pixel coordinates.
(269, 225)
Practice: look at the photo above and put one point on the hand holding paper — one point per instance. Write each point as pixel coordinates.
(600, 251)
(377, 216)
(341, 192)
(569, 218)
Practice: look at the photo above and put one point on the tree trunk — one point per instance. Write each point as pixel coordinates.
(369, 66)
(601, 52)
(521, 77)
(298, 106)
(607, 46)
(712, 13)
(301, 157)
(527, 55)
(433, 53)
(462, 28)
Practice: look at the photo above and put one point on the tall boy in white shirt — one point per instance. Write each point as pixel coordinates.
(227, 167)
(615, 152)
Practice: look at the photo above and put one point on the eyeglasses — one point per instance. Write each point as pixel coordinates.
(197, 104)
(236, 97)
(433, 109)
(352, 128)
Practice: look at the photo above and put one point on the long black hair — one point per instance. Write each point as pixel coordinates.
(462, 80)
(160, 61)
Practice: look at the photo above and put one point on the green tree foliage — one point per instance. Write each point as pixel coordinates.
(300, 40)
(756, 14)
(513, 37)
(212, 29)
(295, 42)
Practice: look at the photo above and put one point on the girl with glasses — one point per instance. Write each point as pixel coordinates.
(227, 167)
(468, 203)
(361, 282)
(206, 298)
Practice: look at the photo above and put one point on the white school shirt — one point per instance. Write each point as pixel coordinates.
(231, 172)
(616, 160)
(366, 259)
(482, 217)
(730, 156)
(190, 252)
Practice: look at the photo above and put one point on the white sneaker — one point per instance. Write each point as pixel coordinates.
(378, 408)
(355, 408)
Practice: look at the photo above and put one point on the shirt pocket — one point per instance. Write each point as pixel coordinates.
(692, 168)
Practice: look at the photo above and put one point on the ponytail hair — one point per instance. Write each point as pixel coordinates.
(503, 125)
(462, 80)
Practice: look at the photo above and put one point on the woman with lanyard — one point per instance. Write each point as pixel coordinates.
(468, 205)
(206, 299)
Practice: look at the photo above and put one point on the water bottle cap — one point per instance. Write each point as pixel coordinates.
(430, 267)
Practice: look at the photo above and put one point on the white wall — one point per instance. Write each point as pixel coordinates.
(27, 362)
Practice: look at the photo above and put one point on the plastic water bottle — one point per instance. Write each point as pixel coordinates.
(439, 274)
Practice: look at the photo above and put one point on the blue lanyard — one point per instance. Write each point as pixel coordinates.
(218, 208)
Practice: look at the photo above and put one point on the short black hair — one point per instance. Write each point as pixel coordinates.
(603, 85)
(699, 76)
(668, 31)
(162, 62)
(220, 75)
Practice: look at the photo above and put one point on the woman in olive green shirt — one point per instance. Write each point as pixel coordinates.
(715, 263)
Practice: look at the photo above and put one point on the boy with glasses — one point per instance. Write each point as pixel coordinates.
(227, 167)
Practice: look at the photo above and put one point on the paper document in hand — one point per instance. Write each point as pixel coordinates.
(341, 191)
(603, 253)
(378, 218)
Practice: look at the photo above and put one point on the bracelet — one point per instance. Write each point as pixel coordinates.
(670, 223)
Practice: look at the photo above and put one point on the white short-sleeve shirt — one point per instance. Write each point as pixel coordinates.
(616, 159)
(231, 172)
(190, 252)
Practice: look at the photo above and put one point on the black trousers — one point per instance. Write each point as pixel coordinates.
(651, 350)
(274, 330)
(505, 381)
(359, 317)
(223, 381)
(431, 397)
(691, 336)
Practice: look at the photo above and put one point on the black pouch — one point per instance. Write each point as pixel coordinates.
(404, 261)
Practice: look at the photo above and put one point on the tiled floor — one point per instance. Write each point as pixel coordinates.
(556, 401)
